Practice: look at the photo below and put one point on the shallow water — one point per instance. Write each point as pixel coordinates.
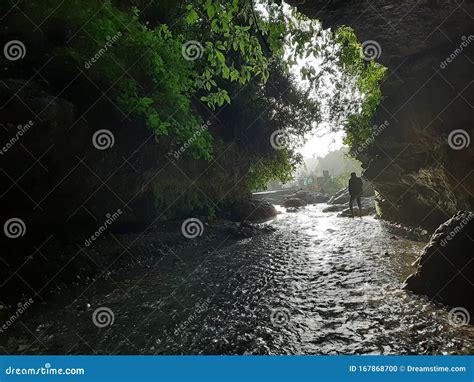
(319, 284)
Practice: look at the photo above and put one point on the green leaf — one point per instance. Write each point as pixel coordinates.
(220, 57)
(192, 17)
(211, 11)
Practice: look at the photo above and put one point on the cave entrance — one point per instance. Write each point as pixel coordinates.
(342, 78)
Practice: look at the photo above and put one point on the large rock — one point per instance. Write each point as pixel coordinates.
(335, 208)
(446, 267)
(294, 202)
(280, 196)
(342, 196)
(275, 197)
(368, 208)
(310, 197)
(253, 210)
(427, 46)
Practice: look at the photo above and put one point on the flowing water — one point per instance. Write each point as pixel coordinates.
(319, 284)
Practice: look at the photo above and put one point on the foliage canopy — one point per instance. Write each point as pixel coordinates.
(174, 64)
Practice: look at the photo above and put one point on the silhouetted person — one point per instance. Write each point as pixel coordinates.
(355, 191)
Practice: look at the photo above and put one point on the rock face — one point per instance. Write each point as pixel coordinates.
(253, 210)
(446, 267)
(421, 173)
(67, 178)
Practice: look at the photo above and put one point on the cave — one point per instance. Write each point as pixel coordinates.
(155, 200)
(422, 173)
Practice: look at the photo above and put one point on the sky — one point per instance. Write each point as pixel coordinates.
(323, 140)
(320, 145)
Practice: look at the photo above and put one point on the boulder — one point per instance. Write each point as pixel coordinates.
(294, 202)
(342, 196)
(253, 210)
(274, 197)
(335, 208)
(280, 196)
(310, 197)
(446, 267)
(368, 208)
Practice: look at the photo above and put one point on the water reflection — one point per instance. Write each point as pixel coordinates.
(337, 280)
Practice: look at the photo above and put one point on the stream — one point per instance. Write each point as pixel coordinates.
(318, 284)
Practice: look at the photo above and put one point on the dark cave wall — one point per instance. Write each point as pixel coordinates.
(54, 175)
(420, 178)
